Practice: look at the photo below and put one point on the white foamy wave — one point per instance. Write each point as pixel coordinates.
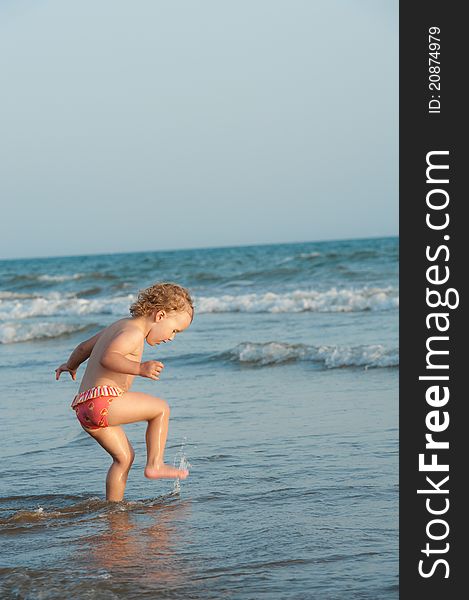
(60, 277)
(19, 332)
(307, 255)
(4, 295)
(331, 357)
(302, 255)
(333, 300)
(63, 304)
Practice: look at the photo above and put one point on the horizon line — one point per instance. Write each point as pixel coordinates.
(199, 248)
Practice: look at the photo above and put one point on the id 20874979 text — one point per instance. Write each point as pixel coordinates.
(434, 69)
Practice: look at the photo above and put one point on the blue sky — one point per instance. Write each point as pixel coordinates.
(152, 125)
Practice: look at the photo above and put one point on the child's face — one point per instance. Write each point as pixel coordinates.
(166, 325)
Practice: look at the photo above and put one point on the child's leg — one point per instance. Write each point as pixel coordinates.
(136, 406)
(114, 441)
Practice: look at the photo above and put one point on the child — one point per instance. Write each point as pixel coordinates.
(104, 402)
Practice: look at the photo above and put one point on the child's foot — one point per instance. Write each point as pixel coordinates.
(165, 472)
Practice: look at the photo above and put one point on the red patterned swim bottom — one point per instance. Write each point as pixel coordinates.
(91, 406)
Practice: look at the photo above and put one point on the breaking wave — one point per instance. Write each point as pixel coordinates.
(5, 295)
(21, 306)
(25, 332)
(330, 357)
(332, 300)
(63, 304)
(60, 278)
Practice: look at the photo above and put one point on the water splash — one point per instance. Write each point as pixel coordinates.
(180, 462)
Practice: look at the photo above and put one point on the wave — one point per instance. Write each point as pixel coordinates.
(344, 254)
(31, 282)
(20, 332)
(60, 278)
(330, 357)
(5, 295)
(17, 306)
(332, 300)
(302, 255)
(31, 277)
(64, 304)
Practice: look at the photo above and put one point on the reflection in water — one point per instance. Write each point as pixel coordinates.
(143, 546)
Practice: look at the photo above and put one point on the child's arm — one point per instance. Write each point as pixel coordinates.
(79, 355)
(128, 342)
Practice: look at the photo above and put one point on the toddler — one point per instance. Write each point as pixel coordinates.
(104, 402)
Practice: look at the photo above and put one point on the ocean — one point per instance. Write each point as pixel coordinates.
(284, 401)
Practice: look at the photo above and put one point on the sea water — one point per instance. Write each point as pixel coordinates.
(283, 394)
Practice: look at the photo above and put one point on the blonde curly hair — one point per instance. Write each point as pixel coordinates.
(162, 296)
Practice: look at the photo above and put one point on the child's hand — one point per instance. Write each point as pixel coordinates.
(151, 369)
(62, 368)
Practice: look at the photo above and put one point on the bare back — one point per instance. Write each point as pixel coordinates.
(95, 374)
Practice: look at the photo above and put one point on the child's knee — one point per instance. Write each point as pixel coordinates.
(125, 459)
(163, 407)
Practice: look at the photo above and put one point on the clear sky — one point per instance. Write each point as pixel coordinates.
(148, 124)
